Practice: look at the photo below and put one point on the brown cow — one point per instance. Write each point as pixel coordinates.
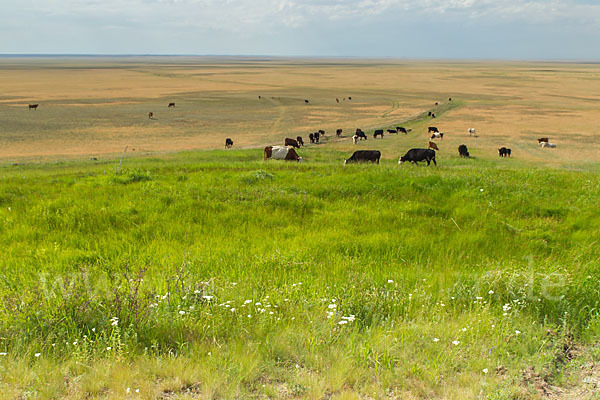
(33, 106)
(291, 142)
(432, 145)
(150, 115)
(338, 132)
(542, 139)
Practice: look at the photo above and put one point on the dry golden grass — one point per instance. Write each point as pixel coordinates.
(95, 107)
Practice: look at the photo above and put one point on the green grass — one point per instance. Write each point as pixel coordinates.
(211, 274)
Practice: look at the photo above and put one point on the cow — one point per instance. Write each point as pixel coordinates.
(281, 153)
(151, 115)
(355, 139)
(436, 103)
(378, 132)
(361, 135)
(338, 132)
(449, 98)
(504, 152)
(171, 105)
(291, 142)
(432, 115)
(437, 135)
(548, 144)
(228, 143)
(305, 101)
(432, 129)
(472, 132)
(299, 140)
(364, 156)
(349, 98)
(392, 131)
(432, 145)
(429, 114)
(33, 106)
(542, 139)
(259, 97)
(337, 100)
(402, 129)
(321, 132)
(311, 137)
(463, 151)
(317, 137)
(417, 155)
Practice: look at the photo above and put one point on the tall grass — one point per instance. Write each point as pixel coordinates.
(211, 273)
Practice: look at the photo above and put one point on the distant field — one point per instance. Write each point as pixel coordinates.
(95, 107)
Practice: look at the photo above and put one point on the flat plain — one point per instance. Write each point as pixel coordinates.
(187, 271)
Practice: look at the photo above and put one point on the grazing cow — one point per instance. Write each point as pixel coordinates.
(364, 156)
(291, 142)
(463, 151)
(311, 137)
(432, 129)
(378, 132)
(432, 145)
(171, 105)
(349, 98)
(392, 131)
(437, 135)
(33, 106)
(436, 103)
(432, 115)
(504, 152)
(355, 139)
(472, 132)
(429, 114)
(401, 129)
(449, 98)
(305, 101)
(150, 115)
(338, 132)
(542, 139)
(321, 132)
(317, 137)
(337, 100)
(228, 143)
(417, 155)
(281, 153)
(548, 144)
(299, 140)
(361, 135)
(259, 97)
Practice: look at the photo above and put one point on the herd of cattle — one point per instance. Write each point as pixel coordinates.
(288, 152)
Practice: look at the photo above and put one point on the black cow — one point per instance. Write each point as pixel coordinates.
(364, 156)
(33, 106)
(317, 136)
(171, 105)
(504, 152)
(449, 98)
(416, 155)
(311, 137)
(306, 101)
(338, 132)
(378, 132)
(321, 132)
(392, 131)
(432, 115)
(291, 142)
(429, 114)
(349, 98)
(432, 129)
(401, 129)
(228, 143)
(463, 151)
(300, 141)
(361, 135)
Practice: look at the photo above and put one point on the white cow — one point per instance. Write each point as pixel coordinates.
(355, 139)
(472, 132)
(548, 144)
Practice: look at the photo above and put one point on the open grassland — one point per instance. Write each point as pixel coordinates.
(212, 275)
(94, 107)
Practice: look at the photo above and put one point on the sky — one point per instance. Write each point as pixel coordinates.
(457, 29)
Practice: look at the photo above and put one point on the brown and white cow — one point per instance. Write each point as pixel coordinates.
(282, 153)
(150, 115)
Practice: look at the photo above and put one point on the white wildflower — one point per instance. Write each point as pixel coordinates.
(343, 322)
(37, 354)
(491, 292)
(181, 312)
(485, 370)
(455, 342)
(390, 281)
(517, 332)
(436, 339)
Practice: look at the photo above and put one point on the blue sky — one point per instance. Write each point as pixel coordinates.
(497, 29)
